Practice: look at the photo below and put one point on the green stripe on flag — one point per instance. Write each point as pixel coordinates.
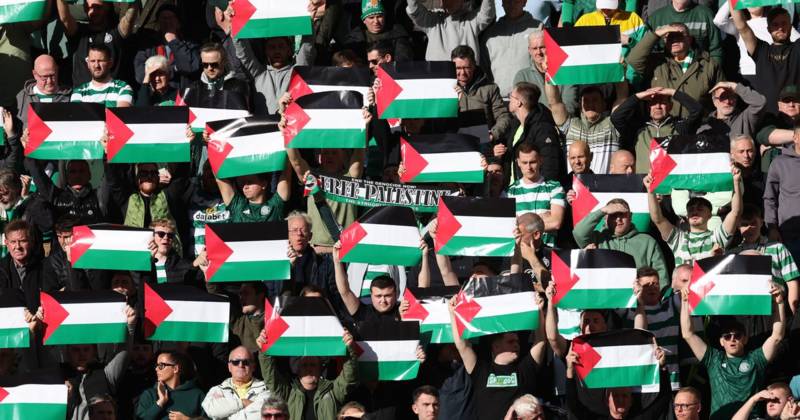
(623, 376)
(697, 182)
(384, 254)
(598, 299)
(14, 338)
(502, 323)
(144, 153)
(252, 271)
(388, 371)
(33, 411)
(734, 305)
(485, 247)
(744, 4)
(88, 334)
(21, 12)
(329, 139)
(203, 332)
(103, 259)
(589, 75)
(465, 176)
(435, 333)
(307, 346)
(247, 165)
(422, 108)
(68, 150)
(266, 28)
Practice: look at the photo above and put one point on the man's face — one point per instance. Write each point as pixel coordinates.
(96, 11)
(299, 234)
(536, 49)
(46, 76)
(123, 284)
(375, 23)
(579, 160)
(619, 402)
(308, 371)
(278, 52)
(426, 407)
(622, 164)
(159, 80)
(529, 165)
(166, 368)
(506, 349)
(80, 355)
(678, 43)
(465, 70)
(142, 354)
(78, 174)
(775, 405)
(650, 291)
(514, 8)
(163, 236)
(332, 160)
(212, 64)
(733, 342)
(790, 107)
(681, 279)
(495, 174)
(240, 365)
(687, 406)
(383, 300)
(19, 245)
(592, 322)
(147, 178)
(659, 107)
(64, 238)
(99, 65)
(249, 299)
(698, 214)
(168, 22)
(751, 229)
(724, 101)
(779, 28)
(452, 6)
(375, 59)
(620, 222)
(102, 411)
(593, 106)
(252, 186)
(743, 153)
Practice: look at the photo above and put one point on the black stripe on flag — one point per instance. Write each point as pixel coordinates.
(389, 215)
(12, 298)
(339, 99)
(420, 70)
(334, 76)
(304, 306)
(247, 126)
(40, 377)
(70, 111)
(182, 292)
(690, 144)
(497, 285)
(585, 35)
(481, 207)
(99, 227)
(444, 143)
(388, 330)
(436, 292)
(87, 296)
(738, 264)
(598, 258)
(153, 114)
(258, 231)
(619, 337)
(613, 183)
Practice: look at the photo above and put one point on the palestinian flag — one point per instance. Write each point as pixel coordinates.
(618, 358)
(731, 285)
(84, 317)
(494, 305)
(111, 247)
(326, 120)
(384, 235)
(142, 134)
(745, 4)
(373, 272)
(478, 227)
(177, 312)
(247, 251)
(200, 117)
(693, 163)
(314, 79)
(417, 89)
(33, 396)
(13, 11)
(593, 192)
(64, 131)
(387, 350)
(584, 55)
(447, 157)
(269, 18)
(245, 146)
(14, 332)
(302, 326)
(593, 279)
(428, 306)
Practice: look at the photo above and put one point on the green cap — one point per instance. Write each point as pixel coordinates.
(789, 91)
(371, 7)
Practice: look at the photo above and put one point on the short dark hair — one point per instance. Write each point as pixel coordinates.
(311, 288)
(18, 225)
(464, 52)
(383, 47)
(100, 48)
(382, 282)
(529, 94)
(10, 179)
(210, 47)
(588, 90)
(775, 12)
(340, 58)
(526, 147)
(730, 324)
(646, 272)
(699, 201)
(287, 40)
(258, 287)
(750, 211)
(66, 222)
(424, 390)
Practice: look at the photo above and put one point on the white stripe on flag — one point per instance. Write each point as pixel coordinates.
(605, 278)
(622, 356)
(198, 311)
(95, 313)
(487, 227)
(511, 303)
(363, 90)
(390, 235)
(388, 351)
(121, 240)
(427, 88)
(332, 119)
(587, 55)
(636, 201)
(736, 284)
(274, 9)
(440, 316)
(256, 144)
(9, 2)
(36, 394)
(247, 251)
(204, 115)
(157, 133)
(452, 162)
(75, 130)
(312, 326)
(701, 163)
(12, 318)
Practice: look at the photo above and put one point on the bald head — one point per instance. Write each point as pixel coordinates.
(622, 163)
(579, 156)
(45, 72)
(241, 365)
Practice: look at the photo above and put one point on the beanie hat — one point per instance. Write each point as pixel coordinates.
(371, 7)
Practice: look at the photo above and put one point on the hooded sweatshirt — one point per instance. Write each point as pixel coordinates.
(501, 54)
(186, 398)
(270, 83)
(782, 194)
(446, 31)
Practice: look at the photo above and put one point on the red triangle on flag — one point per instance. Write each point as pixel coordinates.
(156, 310)
(555, 55)
(3, 394)
(416, 311)
(38, 131)
(118, 133)
(243, 10)
(563, 277)
(298, 86)
(218, 151)
(388, 91)
(466, 309)
(82, 240)
(180, 102)
(584, 201)
(413, 162)
(661, 164)
(588, 357)
(447, 226)
(217, 252)
(733, 3)
(296, 119)
(350, 237)
(697, 291)
(274, 326)
(54, 314)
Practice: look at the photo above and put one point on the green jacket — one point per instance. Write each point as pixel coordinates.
(186, 398)
(641, 246)
(329, 397)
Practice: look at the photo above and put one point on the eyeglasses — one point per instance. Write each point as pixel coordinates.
(237, 362)
(683, 407)
(210, 65)
(45, 76)
(374, 62)
(161, 234)
(273, 416)
(731, 336)
(162, 366)
(299, 231)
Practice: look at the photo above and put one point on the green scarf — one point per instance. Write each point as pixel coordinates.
(159, 209)
(687, 61)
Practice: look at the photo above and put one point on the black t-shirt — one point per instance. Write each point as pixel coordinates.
(496, 386)
(86, 37)
(308, 406)
(367, 313)
(777, 66)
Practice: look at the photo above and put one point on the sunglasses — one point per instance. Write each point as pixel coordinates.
(162, 234)
(273, 416)
(731, 336)
(374, 62)
(210, 65)
(162, 366)
(242, 362)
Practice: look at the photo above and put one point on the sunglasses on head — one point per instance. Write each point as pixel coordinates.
(732, 335)
(162, 234)
(237, 362)
(210, 65)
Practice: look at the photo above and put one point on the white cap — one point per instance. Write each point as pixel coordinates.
(607, 4)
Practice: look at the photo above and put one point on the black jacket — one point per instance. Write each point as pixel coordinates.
(84, 204)
(539, 130)
(68, 278)
(644, 407)
(37, 275)
(631, 118)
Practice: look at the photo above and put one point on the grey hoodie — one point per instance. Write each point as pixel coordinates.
(270, 83)
(446, 31)
(782, 194)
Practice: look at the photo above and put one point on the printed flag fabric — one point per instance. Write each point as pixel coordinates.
(84, 317)
(177, 312)
(137, 134)
(472, 226)
(417, 89)
(326, 120)
(494, 305)
(14, 11)
(593, 192)
(111, 247)
(40, 395)
(618, 358)
(14, 332)
(199, 116)
(584, 55)
(387, 350)
(745, 4)
(429, 307)
(315, 79)
(593, 279)
(245, 146)
(62, 131)
(302, 326)
(247, 251)
(731, 285)
(270, 18)
(383, 235)
(695, 163)
(447, 157)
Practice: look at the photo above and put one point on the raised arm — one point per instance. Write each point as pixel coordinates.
(443, 261)
(557, 342)
(227, 189)
(486, 15)
(731, 221)
(553, 218)
(350, 300)
(747, 35)
(694, 341)
(778, 323)
(664, 226)
(420, 15)
(66, 19)
(750, 404)
(297, 162)
(557, 107)
(464, 347)
(539, 347)
(284, 188)
(128, 18)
